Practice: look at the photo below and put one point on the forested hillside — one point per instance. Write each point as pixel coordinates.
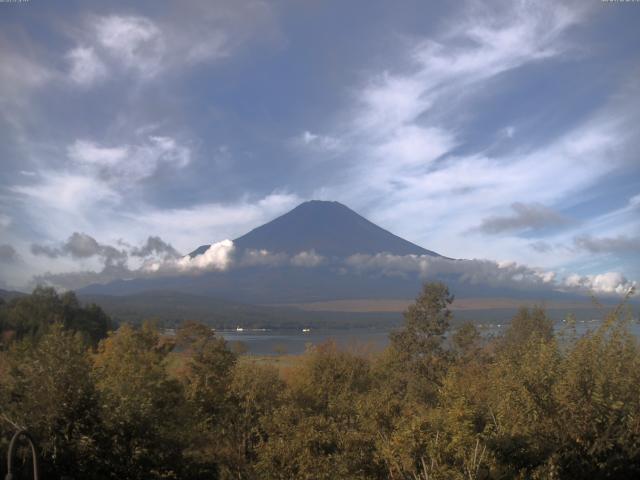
(139, 405)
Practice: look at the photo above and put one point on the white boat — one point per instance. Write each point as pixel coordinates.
(239, 329)
(306, 330)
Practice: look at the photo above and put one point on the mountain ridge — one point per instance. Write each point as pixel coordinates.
(335, 233)
(326, 227)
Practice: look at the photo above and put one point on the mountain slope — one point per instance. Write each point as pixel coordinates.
(7, 295)
(328, 228)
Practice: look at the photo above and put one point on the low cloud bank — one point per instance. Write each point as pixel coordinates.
(262, 258)
(224, 255)
(157, 257)
(307, 259)
(474, 272)
(489, 272)
(610, 282)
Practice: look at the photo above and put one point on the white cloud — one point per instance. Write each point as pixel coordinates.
(610, 282)
(5, 220)
(214, 45)
(263, 258)
(86, 66)
(490, 273)
(130, 163)
(307, 137)
(160, 258)
(397, 128)
(219, 32)
(323, 143)
(185, 226)
(19, 74)
(307, 259)
(67, 192)
(224, 255)
(136, 42)
(59, 203)
(412, 145)
(508, 132)
(404, 140)
(459, 191)
(23, 76)
(150, 45)
(87, 192)
(476, 272)
(217, 257)
(470, 52)
(83, 151)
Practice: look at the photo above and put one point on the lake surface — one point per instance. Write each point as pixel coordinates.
(295, 342)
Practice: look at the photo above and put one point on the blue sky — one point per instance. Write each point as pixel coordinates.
(506, 131)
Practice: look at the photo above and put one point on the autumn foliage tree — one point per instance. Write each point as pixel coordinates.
(441, 402)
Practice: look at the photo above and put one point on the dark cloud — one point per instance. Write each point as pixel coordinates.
(619, 244)
(541, 246)
(155, 246)
(532, 217)
(75, 280)
(45, 251)
(8, 254)
(79, 246)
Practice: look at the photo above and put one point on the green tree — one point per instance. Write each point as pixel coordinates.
(141, 406)
(525, 325)
(523, 406)
(255, 392)
(318, 433)
(467, 342)
(32, 315)
(47, 389)
(206, 380)
(417, 350)
(598, 435)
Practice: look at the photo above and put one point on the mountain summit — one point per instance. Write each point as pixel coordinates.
(329, 228)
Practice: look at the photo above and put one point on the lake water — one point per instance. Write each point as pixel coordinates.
(295, 342)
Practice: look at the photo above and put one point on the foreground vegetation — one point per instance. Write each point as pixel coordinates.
(435, 405)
